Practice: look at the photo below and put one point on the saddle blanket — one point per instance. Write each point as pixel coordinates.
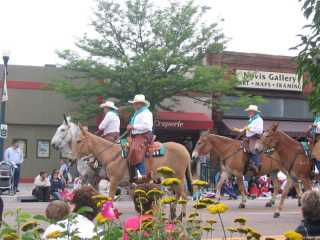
(156, 149)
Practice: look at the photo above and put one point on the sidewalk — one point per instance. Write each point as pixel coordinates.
(25, 190)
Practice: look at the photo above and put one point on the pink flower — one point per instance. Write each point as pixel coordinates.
(109, 212)
(169, 228)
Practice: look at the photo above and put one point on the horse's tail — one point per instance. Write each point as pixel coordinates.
(189, 179)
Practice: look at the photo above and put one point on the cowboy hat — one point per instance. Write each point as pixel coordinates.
(139, 98)
(108, 104)
(253, 108)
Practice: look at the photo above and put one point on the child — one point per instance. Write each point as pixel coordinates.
(57, 185)
(57, 210)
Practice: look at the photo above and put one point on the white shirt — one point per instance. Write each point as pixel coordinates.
(38, 182)
(14, 156)
(143, 122)
(81, 224)
(255, 127)
(110, 123)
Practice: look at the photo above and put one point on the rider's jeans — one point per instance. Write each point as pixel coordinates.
(141, 168)
(255, 158)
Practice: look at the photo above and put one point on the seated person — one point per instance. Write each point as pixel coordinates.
(78, 223)
(310, 226)
(42, 187)
(57, 185)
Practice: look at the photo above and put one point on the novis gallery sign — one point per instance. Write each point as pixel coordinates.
(269, 80)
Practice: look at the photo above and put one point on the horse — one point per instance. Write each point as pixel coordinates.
(109, 155)
(233, 161)
(294, 160)
(62, 140)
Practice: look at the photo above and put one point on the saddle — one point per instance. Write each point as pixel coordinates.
(155, 149)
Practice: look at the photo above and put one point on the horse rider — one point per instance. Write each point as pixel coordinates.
(314, 131)
(253, 131)
(110, 125)
(140, 125)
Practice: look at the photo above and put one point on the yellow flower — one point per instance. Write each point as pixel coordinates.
(170, 182)
(240, 220)
(200, 183)
(199, 206)
(101, 219)
(269, 238)
(29, 225)
(166, 171)
(141, 199)
(140, 192)
(292, 235)
(194, 214)
(256, 235)
(206, 201)
(154, 193)
(232, 230)
(218, 208)
(182, 202)
(196, 234)
(211, 221)
(101, 197)
(147, 224)
(54, 234)
(208, 228)
(150, 212)
(10, 236)
(168, 200)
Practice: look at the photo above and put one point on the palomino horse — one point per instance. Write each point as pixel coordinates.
(62, 140)
(109, 156)
(233, 161)
(294, 160)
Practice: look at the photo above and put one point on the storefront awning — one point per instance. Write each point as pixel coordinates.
(294, 129)
(183, 120)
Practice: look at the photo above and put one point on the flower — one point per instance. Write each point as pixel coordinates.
(29, 225)
(109, 212)
(211, 221)
(199, 205)
(242, 221)
(218, 208)
(140, 192)
(292, 235)
(207, 228)
(147, 224)
(170, 182)
(154, 193)
(196, 234)
(232, 230)
(256, 235)
(169, 228)
(200, 183)
(101, 219)
(182, 201)
(206, 201)
(194, 214)
(142, 199)
(54, 234)
(269, 238)
(168, 200)
(101, 197)
(166, 171)
(10, 236)
(242, 230)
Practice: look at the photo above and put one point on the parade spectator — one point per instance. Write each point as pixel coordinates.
(64, 172)
(57, 210)
(14, 155)
(41, 187)
(57, 185)
(254, 191)
(78, 223)
(228, 189)
(310, 226)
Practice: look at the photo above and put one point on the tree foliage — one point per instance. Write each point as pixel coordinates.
(309, 55)
(140, 48)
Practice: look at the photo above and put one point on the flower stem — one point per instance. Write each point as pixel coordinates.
(224, 231)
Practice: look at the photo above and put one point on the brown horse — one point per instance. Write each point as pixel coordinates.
(294, 161)
(109, 156)
(233, 161)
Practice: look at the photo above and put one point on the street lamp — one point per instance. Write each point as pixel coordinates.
(4, 99)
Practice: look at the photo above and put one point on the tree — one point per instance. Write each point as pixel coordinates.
(140, 48)
(309, 55)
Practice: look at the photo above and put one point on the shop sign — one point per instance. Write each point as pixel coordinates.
(3, 131)
(269, 80)
(169, 124)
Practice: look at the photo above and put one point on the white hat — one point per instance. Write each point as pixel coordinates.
(108, 104)
(253, 108)
(139, 98)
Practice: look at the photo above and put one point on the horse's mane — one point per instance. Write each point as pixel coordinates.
(290, 139)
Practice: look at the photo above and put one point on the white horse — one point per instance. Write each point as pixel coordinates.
(62, 140)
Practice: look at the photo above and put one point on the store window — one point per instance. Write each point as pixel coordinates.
(276, 108)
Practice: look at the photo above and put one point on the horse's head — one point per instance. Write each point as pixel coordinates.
(63, 135)
(203, 146)
(269, 139)
(83, 144)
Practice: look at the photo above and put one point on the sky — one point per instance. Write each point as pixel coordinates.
(33, 30)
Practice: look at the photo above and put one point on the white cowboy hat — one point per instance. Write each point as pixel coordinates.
(253, 108)
(139, 98)
(108, 104)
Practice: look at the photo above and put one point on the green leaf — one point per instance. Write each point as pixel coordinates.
(85, 209)
(41, 218)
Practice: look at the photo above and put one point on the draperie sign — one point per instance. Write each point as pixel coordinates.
(169, 124)
(269, 80)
